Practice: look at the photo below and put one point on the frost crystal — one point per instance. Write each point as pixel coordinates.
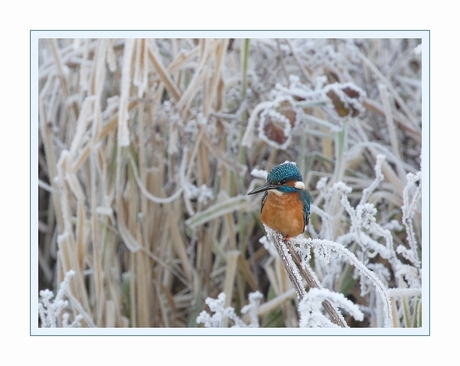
(366, 213)
(49, 311)
(311, 305)
(268, 245)
(259, 173)
(221, 313)
(342, 188)
(321, 183)
(202, 194)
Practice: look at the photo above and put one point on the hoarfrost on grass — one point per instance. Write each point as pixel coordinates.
(219, 312)
(259, 173)
(50, 310)
(310, 308)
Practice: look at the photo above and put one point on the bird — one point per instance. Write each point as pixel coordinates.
(286, 202)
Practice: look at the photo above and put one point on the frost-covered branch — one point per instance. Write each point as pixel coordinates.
(49, 310)
(293, 273)
(327, 245)
(217, 306)
(293, 265)
(408, 210)
(310, 308)
(378, 179)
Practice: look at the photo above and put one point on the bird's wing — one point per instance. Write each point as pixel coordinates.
(306, 199)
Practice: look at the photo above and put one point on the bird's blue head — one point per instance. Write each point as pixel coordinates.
(284, 178)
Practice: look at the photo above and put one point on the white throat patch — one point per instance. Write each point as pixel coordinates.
(299, 185)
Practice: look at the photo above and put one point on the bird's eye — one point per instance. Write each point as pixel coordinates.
(283, 181)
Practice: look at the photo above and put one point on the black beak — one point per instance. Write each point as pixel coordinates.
(263, 188)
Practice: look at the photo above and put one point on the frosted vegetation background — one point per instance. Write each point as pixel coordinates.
(147, 148)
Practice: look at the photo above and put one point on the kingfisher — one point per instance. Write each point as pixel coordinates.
(286, 202)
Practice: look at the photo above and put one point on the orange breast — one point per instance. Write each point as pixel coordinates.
(284, 214)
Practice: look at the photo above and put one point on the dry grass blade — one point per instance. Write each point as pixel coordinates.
(227, 205)
(163, 73)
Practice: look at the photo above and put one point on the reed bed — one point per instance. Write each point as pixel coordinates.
(147, 148)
